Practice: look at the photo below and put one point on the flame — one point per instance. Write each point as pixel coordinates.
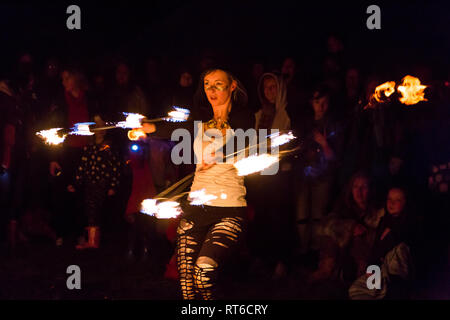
(82, 129)
(385, 89)
(136, 134)
(278, 139)
(255, 163)
(162, 210)
(178, 114)
(199, 197)
(51, 136)
(132, 121)
(411, 90)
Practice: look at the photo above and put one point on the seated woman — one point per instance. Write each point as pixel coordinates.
(354, 216)
(391, 249)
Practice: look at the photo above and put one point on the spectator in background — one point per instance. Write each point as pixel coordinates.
(182, 94)
(254, 75)
(49, 85)
(126, 95)
(273, 205)
(354, 215)
(353, 92)
(97, 177)
(72, 106)
(154, 86)
(296, 88)
(12, 157)
(141, 227)
(390, 250)
(316, 170)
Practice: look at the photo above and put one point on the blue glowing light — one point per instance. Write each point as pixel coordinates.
(134, 147)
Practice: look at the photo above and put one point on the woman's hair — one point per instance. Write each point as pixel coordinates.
(320, 91)
(202, 106)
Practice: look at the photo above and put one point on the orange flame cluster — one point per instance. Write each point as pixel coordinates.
(412, 91)
(385, 89)
(136, 134)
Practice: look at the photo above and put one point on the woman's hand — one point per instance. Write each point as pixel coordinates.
(322, 141)
(385, 233)
(148, 128)
(209, 155)
(320, 138)
(54, 167)
(70, 188)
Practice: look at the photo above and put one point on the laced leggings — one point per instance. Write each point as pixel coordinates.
(205, 237)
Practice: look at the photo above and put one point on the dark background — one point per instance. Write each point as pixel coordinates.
(411, 31)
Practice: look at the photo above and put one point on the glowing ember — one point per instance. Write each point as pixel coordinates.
(255, 163)
(136, 134)
(162, 210)
(82, 129)
(132, 121)
(411, 90)
(278, 139)
(199, 197)
(178, 115)
(384, 91)
(51, 136)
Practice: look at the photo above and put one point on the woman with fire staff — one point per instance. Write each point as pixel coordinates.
(207, 234)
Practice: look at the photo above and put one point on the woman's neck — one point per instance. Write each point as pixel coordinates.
(221, 112)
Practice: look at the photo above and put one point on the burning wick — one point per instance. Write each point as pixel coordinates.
(178, 115)
(411, 90)
(255, 163)
(136, 134)
(51, 136)
(82, 129)
(278, 139)
(162, 210)
(132, 121)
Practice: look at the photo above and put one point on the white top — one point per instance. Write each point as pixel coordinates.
(220, 180)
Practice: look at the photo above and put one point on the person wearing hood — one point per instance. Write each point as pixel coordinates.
(272, 205)
(272, 94)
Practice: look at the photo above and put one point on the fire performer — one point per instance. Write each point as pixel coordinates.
(207, 234)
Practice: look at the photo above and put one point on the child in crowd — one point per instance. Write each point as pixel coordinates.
(98, 176)
(391, 249)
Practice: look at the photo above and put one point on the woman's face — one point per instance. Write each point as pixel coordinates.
(270, 89)
(360, 191)
(68, 81)
(396, 201)
(218, 88)
(320, 106)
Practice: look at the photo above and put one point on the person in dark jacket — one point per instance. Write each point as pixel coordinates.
(316, 170)
(70, 108)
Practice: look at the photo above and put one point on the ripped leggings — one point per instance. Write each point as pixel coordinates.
(205, 238)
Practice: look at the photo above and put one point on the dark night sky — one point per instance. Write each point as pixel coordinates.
(411, 30)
